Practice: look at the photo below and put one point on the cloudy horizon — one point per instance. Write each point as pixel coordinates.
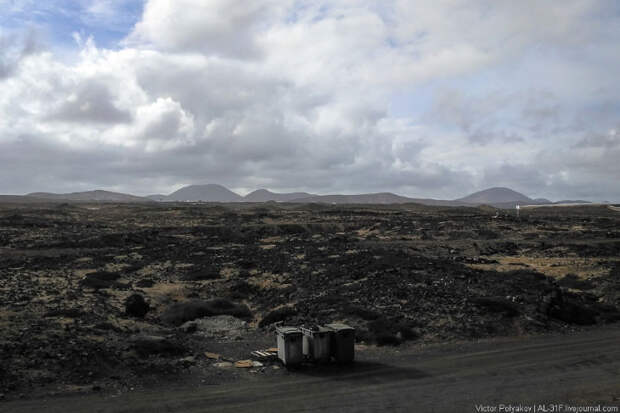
(424, 99)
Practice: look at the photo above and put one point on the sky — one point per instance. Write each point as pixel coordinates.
(433, 98)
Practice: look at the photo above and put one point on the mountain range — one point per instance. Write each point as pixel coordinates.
(208, 193)
(497, 197)
(89, 196)
(264, 195)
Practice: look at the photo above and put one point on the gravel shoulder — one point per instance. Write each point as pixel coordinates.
(581, 369)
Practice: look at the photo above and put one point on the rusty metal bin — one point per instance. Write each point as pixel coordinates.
(290, 345)
(342, 342)
(316, 343)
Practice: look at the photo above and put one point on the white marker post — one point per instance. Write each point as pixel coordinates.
(518, 210)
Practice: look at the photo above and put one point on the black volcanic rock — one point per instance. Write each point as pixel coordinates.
(136, 306)
(145, 283)
(147, 344)
(100, 279)
(206, 193)
(497, 304)
(574, 313)
(280, 314)
(201, 274)
(179, 313)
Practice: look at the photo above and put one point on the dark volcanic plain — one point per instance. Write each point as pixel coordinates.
(116, 297)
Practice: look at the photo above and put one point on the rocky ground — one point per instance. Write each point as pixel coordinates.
(107, 297)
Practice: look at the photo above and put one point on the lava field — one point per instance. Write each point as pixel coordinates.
(114, 295)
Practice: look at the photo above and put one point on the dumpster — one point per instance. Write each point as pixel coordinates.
(316, 343)
(342, 342)
(290, 346)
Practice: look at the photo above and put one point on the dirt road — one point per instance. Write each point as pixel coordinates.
(576, 370)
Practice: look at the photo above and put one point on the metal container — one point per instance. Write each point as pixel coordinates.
(290, 345)
(342, 342)
(316, 343)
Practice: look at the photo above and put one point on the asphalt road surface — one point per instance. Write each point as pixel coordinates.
(544, 374)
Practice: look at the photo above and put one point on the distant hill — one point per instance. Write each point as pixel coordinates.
(437, 202)
(496, 196)
(157, 197)
(206, 193)
(89, 196)
(375, 198)
(378, 198)
(542, 201)
(569, 201)
(264, 195)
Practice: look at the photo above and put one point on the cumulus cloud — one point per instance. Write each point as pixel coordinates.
(16, 47)
(214, 27)
(300, 95)
(91, 101)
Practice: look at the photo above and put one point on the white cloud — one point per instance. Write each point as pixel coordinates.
(297, 94)
(214, 27)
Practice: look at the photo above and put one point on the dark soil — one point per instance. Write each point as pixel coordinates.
(97, 295)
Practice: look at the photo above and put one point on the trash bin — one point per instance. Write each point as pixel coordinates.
(342, 342)
(316, 343)
(290, 346)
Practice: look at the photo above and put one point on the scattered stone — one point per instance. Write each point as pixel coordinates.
(121, 286)
(221, 326)
(145, 345)
(186, 362)
(280, 314)
(107, 326)
(361, 312)
(244, 364)
(66, 312)
(189, 327)
(241, 289)
(389, 331)
(572, 281)
(497, 304)
(179, 313)
(223, 364)
(212, 356)
(573, 313)
(201, 274)
(389, 294)
(145, 283)
(100, 279)
(136, 306)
